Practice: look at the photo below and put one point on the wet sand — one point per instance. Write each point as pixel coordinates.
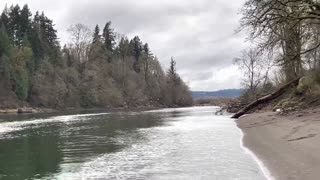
(289, 146)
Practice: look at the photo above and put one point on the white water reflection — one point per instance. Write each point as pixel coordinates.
(8, 127)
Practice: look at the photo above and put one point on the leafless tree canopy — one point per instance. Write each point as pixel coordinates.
(256, 70)
(80, 36)
(287, 27)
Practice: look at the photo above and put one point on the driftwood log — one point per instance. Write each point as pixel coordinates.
(266, 98)
(25, 110)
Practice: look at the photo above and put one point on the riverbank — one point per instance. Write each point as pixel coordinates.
(25, 110)
(287, 145)
(29, 110)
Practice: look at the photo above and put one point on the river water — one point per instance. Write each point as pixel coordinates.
(178, 144)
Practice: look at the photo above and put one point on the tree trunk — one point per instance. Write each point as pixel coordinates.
(266, 98)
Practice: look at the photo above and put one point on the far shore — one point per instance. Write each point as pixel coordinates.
(289, 146)
(24, 110)
(31, 110)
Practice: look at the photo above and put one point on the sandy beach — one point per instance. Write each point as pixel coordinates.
(289, 146)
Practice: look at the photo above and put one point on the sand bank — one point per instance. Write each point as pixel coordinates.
(289, 146)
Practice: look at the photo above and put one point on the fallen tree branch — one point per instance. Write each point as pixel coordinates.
(266, 98)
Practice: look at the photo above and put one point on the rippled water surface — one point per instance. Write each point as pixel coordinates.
(186, 143)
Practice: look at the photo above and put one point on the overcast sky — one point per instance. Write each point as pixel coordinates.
(199, 34)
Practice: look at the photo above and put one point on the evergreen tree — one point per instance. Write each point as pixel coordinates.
(5, 51)
(47, 31)
(136, 48)
(178, 92)
(19, 72)
(123, 48)
(4, 19)
(13, 26)
(35, 41)
(146, 59)
(5, 44)
(172, 72)
(21, 87)
(146, 49)
(36, 22)
(49, 40)
(24, 25)
(108, 37)
(96, 35)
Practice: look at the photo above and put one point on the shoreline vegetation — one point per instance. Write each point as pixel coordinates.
(284, 47)
(31, 110)
(281, 122)
(281, 69)
(98, 68)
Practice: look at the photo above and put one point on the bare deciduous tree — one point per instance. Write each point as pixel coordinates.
(283, 25)
(80, 41)
(256, 71)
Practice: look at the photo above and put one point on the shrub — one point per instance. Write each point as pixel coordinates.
(310, 84)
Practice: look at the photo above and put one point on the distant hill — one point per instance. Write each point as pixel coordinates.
(225, 93)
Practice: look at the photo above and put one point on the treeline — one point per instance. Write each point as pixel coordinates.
(96, 69)
(285, 36)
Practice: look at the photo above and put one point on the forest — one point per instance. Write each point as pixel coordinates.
(97, 68)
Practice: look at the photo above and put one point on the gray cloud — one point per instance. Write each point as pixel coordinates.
(198, 34)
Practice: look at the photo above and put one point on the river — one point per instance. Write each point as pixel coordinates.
(178, 144)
